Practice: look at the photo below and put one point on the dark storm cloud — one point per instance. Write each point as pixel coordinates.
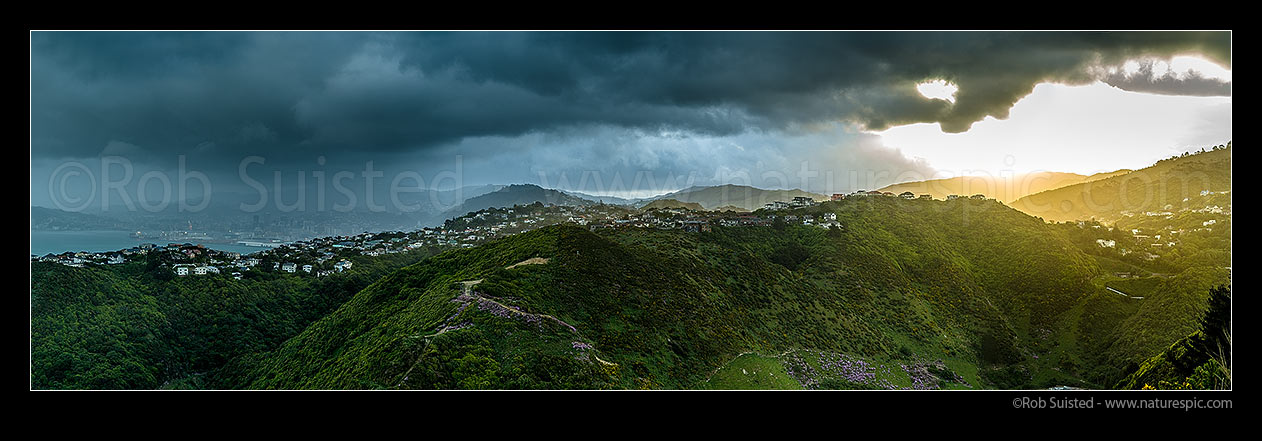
(294, 95)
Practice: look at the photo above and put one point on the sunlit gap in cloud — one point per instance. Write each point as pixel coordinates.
(938, 90)
(1180, 66)
(1077, 129)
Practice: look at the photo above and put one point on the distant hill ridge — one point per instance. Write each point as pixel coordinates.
(54, 219)
(1170, 182)
(1004, 188)
(516, 194)
(671, 203)
(738, 196)
(727, 197)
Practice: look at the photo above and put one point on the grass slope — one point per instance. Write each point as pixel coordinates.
(950, 289)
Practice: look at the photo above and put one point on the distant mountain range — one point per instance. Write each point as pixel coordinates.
(1005, 189)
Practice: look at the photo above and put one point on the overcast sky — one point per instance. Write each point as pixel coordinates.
(618, 113)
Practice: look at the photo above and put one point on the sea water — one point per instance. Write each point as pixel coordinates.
(56, 242)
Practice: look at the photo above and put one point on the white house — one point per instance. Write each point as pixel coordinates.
(306, 268)
(342, 265)
(181, 270)
(289, 267)
(802, 201)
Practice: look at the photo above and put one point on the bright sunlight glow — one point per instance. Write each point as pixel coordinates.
(938, 90)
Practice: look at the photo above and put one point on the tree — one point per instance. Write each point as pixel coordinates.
(778, 223)
(1216, 324)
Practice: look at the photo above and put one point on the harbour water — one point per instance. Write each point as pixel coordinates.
(44, 242)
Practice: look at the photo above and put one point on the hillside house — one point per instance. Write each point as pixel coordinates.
(696, 226)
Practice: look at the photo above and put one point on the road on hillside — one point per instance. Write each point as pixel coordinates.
(1123, 294)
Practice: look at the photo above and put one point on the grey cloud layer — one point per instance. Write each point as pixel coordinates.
(1146, 79)
(291, 95)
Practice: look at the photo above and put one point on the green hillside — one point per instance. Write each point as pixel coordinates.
(1169, 185)
(927, 294)
(134, 326)
(919, 294)
(1202, 360)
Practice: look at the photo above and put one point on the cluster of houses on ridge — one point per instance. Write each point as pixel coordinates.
(185, 269)
(328, 255)
(189, 259)
(81, 258)
(904, 195)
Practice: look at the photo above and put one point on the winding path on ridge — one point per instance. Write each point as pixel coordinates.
(467, 293)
